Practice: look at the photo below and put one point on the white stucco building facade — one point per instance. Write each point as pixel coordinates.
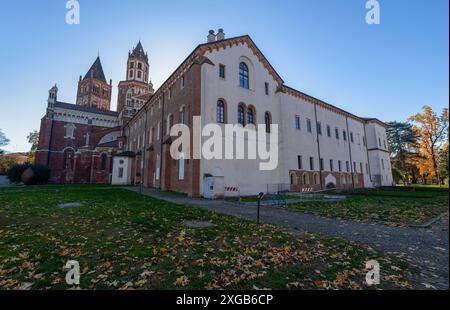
(229, 81)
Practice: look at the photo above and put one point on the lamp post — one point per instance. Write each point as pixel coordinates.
(260, 196)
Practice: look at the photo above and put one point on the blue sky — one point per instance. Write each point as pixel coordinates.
(321, 47)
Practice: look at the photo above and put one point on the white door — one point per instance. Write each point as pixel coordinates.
(208, 188)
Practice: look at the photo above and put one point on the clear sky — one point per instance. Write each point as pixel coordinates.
(321, 47)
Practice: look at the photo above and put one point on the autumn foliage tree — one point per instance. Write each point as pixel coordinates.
(402, 140)
(432, 130)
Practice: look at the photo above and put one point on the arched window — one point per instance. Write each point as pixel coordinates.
(169, 123)
(243, 76)
(103, 161)
(305, 179)
(220, 114)
(250, 116)
(69, 155)
(316, 179)
(268, 121)
(293, 179)
(241, 115)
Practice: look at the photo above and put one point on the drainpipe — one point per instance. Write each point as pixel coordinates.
(367, 152)
(161, 142)
(318, 147)
(144, 150)
(350, 153)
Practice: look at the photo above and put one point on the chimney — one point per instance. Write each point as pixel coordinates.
(211, 36)
(220, 35)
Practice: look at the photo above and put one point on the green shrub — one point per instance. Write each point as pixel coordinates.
(41, 174)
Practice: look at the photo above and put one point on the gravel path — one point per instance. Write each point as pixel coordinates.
(428, 249)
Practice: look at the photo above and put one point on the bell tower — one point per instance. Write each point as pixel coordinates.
(52, 97)
(93, 90)
(136, 87)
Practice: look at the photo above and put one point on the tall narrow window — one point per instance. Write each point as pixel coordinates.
(241, 116)
(344, 135)
(220, 112)
(336, 132)
(300, 162)
(250, 117)
(311, 163)
(347, 165)
(340, 166)
(319, 128)
(361, 167)
(297, 122)
(222, 71)
(308, 125)
(182, 81)
(169, 123)
(321, 164)
(354, 167)
(244, 76)
(266, 88)
(351, 138)
(268, 121)
(103, 161)
(183, 115)
(328, 131)
(331, 165)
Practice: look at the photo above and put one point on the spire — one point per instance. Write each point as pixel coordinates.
(96, 71)
(139, 52)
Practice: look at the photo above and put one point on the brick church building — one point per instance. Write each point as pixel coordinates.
(78, 141)
(224, 81)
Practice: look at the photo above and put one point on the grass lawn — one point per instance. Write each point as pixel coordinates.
(395, 207)
(126, 241)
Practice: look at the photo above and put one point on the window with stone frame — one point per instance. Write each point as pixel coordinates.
(70, 131)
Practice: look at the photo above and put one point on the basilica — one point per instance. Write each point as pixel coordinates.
(222, 81)
(78, 141)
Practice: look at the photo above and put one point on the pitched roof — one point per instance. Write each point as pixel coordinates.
(197, 56)
(139, 52)
(70, 106)
(96, 71)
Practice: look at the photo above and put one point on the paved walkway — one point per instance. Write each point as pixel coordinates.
(428, 249)
(4, 181)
